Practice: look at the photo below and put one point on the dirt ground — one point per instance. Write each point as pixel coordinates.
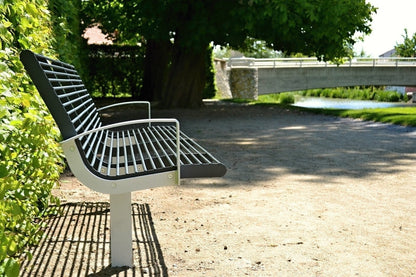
(304, 195)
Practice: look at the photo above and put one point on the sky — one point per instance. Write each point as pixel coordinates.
(388, 25)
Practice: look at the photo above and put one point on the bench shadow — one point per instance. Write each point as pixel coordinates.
(76, 242)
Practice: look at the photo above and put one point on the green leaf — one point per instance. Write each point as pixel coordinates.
(12, 268)
(3, 171)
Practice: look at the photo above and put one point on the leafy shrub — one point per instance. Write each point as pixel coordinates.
(30, 158)
(210, 84)
(357, 93)
(286, 98)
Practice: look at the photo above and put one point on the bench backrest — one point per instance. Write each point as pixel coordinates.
(63, 92)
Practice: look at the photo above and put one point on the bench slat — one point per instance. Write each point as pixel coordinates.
(118, 153)
(75, 100)
(110, 154)
(139, 150)
(72, 93)
(94, 122)
(57, 73)
(133, 155)
(159, 142)
(154, 144)
(58, 67)
(60, 80)
(102, 157)
(85, 120)
(188, 150)
(207, 155)
(98, 144)
(146, 143)
(58, 88)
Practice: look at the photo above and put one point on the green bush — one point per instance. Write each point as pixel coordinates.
(210, 85)
(30, 158)
(357, 93)
(286, 98)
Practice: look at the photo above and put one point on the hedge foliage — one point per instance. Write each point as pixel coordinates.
(114, 70)
(30, 157)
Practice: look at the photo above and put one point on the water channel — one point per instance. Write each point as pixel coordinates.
(336, 103)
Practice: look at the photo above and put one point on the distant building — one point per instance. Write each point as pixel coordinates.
(390, 53)
(93, 35)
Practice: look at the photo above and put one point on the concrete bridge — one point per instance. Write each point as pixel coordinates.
(248, 77)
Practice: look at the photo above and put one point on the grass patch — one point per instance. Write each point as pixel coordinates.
(405, 116)
(267, 99)
(369, 93)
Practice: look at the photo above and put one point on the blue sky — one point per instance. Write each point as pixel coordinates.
(388, 25)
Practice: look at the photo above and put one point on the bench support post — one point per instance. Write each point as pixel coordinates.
(121, 244)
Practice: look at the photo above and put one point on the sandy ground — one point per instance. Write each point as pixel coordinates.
(304, 195)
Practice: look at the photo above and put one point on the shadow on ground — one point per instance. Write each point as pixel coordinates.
(77, 243)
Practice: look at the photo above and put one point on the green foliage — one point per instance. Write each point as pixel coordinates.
(114, 71)
(210, 86)
(284, 98)
(66, 29)
(255, 48)
(313, 27)
(408, 47)
(30, 158)
(366, 93)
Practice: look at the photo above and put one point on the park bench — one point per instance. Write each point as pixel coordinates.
(119, 158)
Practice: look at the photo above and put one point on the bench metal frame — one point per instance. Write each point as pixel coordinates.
(119, 158)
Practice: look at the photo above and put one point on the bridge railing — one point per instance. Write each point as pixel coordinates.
(314, 62)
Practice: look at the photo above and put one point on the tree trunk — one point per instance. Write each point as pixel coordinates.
(155, 69)
(185, 81)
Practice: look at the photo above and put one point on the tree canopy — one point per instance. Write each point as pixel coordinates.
(408, 47)
(177, 33)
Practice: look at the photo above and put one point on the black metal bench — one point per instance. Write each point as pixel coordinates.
(118, 158)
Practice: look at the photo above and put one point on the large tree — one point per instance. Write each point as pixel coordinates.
(177, 33)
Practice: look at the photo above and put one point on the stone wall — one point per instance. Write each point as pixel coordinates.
(222, 76)
(244, 82)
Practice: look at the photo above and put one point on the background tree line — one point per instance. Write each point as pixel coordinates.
(176, 35)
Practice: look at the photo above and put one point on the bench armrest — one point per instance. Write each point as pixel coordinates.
(70, 144)
(128, 103)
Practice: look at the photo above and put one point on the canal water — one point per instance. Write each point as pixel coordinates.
(336, 103)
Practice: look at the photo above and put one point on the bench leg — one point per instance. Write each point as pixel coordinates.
(121, 244)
